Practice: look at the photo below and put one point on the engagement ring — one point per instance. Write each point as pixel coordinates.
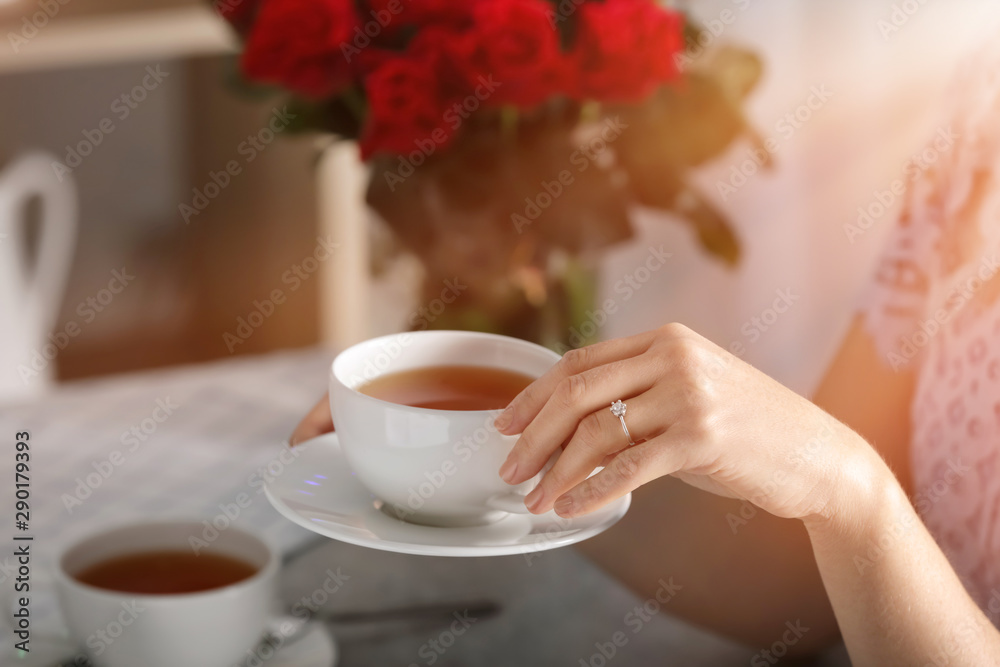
(618, 410)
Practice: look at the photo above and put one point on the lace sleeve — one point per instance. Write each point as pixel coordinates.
(896, 302)
(945, 184)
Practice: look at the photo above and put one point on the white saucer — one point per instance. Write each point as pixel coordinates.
(318, 491)
(315, 648)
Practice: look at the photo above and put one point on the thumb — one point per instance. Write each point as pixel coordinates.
(317, 422)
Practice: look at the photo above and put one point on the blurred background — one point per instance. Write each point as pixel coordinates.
(194, 278)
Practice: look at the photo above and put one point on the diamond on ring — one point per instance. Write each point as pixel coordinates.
(618, 410)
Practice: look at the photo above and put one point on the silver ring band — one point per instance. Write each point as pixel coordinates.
(618, 410)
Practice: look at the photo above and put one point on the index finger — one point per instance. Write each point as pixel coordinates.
(526, 405)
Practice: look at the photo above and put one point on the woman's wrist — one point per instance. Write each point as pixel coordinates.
(865, 503)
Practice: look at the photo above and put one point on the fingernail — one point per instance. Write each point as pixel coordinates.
(505, 419)
(534, 499)
(564, 506)
(508, 470)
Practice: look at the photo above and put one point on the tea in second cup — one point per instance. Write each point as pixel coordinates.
(434, 461)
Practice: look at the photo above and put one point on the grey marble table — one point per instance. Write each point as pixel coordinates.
(554, 611)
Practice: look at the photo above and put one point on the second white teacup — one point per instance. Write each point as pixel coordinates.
(214, 627)
(433, 467)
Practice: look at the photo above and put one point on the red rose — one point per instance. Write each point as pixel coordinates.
(410, 94)
(432, 29)
(449, 53)
(299, 44)
(519, 47)
(419, 12)
(625, 49)
(404, 108)
(665, 40)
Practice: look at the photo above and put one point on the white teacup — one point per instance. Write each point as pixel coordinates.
(433, 467)
(210, 628)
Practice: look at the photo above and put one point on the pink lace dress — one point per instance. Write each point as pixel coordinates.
(935, 307)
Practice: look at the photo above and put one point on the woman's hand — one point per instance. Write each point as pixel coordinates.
(317, 422)
(695, 411)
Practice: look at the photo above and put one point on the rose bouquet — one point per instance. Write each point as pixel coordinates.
(508, 139)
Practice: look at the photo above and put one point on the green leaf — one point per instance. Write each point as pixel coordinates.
(333, 116)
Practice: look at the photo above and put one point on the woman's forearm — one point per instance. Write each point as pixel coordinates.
(896, 597)
(717, 423)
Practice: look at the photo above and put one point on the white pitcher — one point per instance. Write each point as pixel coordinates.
(30, 295)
